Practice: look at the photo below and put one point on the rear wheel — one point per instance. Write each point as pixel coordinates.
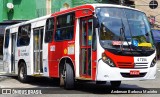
(22, 73)
(115, 84)
(67, 77)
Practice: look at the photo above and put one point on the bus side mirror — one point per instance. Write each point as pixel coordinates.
(95, 22)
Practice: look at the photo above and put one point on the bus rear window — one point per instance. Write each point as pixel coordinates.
(7, 38)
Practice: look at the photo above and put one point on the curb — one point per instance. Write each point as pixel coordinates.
(2, 77)
(3, 73)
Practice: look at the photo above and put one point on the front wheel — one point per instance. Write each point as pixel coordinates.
(22, 73)
(115, 84)
(158, 50)
(67, 77)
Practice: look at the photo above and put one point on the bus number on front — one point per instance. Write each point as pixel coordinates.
(142, 59)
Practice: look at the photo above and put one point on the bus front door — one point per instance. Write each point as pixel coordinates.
(85, 47)
(38, 44)
(13, 44)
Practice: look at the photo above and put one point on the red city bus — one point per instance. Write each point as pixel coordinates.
(94, 42)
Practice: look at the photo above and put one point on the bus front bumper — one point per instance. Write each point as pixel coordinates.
(106, 73)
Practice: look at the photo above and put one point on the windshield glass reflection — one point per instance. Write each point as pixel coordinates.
(124, 29)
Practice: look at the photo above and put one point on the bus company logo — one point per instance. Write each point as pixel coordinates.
(6, 91)
(45, 69)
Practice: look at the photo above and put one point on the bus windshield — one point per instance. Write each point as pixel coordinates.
(124, 29)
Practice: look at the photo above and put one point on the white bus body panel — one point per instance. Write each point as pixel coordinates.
(7, 57)
(106, 73)
(77, 50)
(26, 52)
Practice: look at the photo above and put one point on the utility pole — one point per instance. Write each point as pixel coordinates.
(48, 7)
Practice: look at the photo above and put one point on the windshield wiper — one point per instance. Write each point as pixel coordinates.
(123, 36)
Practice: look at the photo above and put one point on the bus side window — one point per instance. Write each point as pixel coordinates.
(24, 32)
(65, 27)
(49, 30)
(58, 35)
(6, 43)
(90, 31)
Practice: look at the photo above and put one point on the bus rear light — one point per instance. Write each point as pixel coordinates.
(107, 60)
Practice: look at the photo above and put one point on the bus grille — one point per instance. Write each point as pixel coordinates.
(131, 65)
(125, 65)
(140, 65)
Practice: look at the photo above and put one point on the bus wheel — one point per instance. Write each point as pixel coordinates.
(158, 50)
(67, 77)
(115, 84)
(22, 73)
(62, 79)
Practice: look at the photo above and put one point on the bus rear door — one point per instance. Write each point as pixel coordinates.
(37, 49)
(13, 45)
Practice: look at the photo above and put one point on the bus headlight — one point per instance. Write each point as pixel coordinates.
(153, 62)
(107, 60)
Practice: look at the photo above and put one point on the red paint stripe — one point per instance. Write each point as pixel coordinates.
(121, 61)
(74, 9)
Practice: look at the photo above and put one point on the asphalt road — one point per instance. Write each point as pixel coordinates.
(50, 86)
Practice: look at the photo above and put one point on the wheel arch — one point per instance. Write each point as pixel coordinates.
(21, 60)
(22, 71)
(66, 60)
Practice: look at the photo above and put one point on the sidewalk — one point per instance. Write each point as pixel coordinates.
(1, 65)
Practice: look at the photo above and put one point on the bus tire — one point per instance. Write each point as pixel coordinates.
(22, 73)
(115, 84)
(61, 82)
(67, 77)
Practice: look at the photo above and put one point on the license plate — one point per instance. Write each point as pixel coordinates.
(134, 72)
